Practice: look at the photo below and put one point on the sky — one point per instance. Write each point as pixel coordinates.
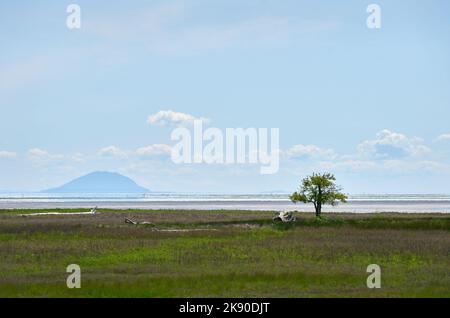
(371, 106)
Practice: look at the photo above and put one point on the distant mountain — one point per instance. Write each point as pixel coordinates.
(100, 182)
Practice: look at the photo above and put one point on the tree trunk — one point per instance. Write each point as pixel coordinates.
(318, 209)
(319, 203)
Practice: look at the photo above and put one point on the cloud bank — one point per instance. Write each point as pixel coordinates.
(172, 118)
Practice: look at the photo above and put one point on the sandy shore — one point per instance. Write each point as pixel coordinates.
(353, 207)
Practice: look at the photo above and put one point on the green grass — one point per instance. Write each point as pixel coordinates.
(240, 254)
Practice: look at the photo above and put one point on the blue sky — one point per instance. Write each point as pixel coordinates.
(370, 105)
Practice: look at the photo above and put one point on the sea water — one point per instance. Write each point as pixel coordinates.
(412, 203)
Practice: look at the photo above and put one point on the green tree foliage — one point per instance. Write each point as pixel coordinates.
(319, 189)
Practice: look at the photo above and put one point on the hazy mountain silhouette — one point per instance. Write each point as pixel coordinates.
(100, 182)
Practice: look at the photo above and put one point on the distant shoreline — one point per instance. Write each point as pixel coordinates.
(413, 206)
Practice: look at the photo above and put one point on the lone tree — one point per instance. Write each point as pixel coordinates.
(319, 189)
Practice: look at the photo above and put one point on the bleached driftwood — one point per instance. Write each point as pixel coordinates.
(285, 216)
(130, 221)
(185, 230)
(92, 212)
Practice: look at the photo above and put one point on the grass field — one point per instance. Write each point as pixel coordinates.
(224, 254)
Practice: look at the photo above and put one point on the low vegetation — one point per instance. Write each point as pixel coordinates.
(236, 254)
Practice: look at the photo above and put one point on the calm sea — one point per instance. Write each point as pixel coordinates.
(274, 201)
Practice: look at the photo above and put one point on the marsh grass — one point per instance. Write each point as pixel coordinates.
(247, 255)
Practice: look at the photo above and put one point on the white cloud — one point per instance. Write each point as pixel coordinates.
(390, 144)
(256, 31)
(443, 137)
(7, 154)
(389, 153)
(40, 154)
(150, 151)
(402, 166)
(154, 150)
(36, 152)
(112, 151)
(309, 151)
(162, 29)
(41, 157)
(78, 157)
(169, 117)
(385, 167)
(348, 165)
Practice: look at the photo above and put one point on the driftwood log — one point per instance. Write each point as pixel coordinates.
(285, 217)
(130, 221)
(92, 212)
